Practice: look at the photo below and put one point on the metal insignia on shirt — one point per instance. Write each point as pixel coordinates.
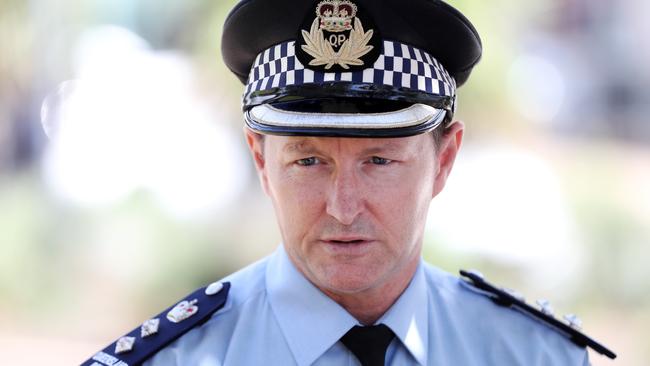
(336, 39)
(149, 327)
(574, 321)
(104, 358)
(124, 344)
(182, 311)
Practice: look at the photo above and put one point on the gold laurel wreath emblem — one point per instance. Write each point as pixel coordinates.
(349, 54)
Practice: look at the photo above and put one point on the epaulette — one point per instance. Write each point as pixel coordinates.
(508, 298)
(156, 333)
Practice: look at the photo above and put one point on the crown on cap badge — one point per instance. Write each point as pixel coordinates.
(336, 15)
(336, 36)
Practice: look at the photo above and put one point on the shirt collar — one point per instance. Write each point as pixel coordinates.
(408, 317)
(309, 334)
(290, 293)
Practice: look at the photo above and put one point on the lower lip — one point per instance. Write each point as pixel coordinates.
(355, 248)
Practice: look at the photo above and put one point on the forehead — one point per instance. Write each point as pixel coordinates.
(296, 144)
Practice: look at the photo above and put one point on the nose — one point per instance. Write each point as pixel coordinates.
(345, 197)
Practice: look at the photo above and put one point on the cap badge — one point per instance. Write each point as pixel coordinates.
(182, 311)
(336, 37)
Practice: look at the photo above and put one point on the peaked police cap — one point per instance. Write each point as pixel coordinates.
(366, 68)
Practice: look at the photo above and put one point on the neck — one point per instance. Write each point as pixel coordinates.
(368, 305)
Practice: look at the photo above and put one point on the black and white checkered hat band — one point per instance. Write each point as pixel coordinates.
(398, 65)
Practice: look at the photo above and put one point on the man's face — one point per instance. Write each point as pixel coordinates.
(351, 210)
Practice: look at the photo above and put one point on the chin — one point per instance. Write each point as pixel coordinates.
(344, 281)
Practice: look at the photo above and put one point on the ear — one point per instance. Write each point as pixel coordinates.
(255, 143)
(446, 154)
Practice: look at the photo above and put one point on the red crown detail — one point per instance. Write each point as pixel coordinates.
(336, 15)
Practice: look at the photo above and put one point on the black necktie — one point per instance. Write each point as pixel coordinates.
(369, 344)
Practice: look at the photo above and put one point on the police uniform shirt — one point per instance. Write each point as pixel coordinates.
(275, 316)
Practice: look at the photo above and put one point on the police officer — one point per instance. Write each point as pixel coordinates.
(348, 107)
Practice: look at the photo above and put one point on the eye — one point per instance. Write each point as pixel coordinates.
(308, 161)
(379, 160)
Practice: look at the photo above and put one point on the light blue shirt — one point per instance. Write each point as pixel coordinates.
(275, 316)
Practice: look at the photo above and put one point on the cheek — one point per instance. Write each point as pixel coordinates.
(404, 202)
(299, 201)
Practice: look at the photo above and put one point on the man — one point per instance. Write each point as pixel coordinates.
(349, 119)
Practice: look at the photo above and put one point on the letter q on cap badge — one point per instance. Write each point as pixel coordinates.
(337, 38)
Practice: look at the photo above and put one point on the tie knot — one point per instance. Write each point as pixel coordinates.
(369, 344)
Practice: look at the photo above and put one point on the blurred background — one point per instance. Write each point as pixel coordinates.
(144, 191)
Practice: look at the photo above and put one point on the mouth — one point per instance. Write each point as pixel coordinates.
(343, 242)
(348, 247)
(346, 239)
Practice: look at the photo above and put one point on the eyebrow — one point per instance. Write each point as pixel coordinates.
(301, 146)
(387, 147)
(304, 146)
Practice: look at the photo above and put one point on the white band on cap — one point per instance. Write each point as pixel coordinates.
(410, 116)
